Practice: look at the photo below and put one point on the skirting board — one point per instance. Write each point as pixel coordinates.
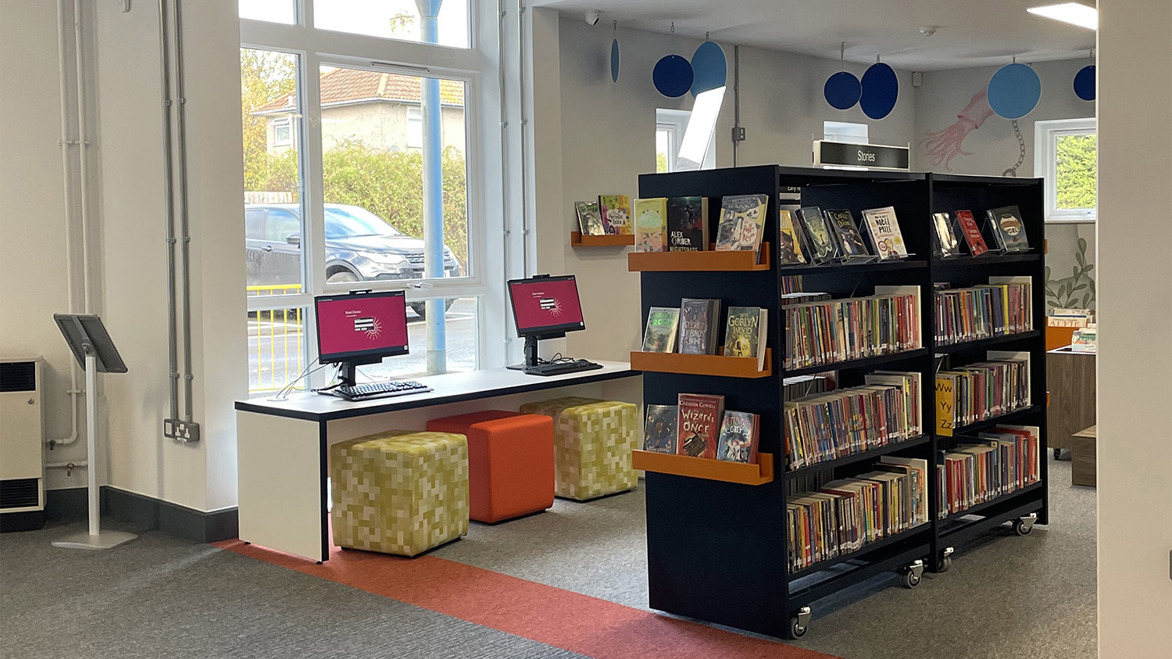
(146, 513)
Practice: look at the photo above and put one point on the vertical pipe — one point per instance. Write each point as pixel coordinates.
(83, 157)
(529, 269)
(91, 439)
(500, 43)
(433, 193)
(185, 253)
(169, 203)
(736, 100)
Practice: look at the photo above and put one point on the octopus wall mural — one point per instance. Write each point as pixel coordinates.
(941, 146)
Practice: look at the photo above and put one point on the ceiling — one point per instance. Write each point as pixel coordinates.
(968, 32)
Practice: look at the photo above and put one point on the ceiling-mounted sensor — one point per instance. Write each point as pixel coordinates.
(592, 16)
(929, 30)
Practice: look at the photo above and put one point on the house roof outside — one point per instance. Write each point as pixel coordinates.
(345, 86)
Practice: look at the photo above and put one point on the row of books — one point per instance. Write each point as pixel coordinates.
(829, 331)
(844, 422)
(1004, 306)
(692, 329)
(1005, 223)
(815, 236)
(1004, 461)
(800, 386)
(983, 390)
(608, 215)
(680, 224)
(847, 514)
(700, 427)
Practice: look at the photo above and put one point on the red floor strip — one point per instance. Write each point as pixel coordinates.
(571, 621)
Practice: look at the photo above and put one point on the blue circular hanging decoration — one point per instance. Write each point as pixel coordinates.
(708, 67)
(1014, 91)
(880, 90)
(842, 90)
(672, 76)
(1084, 83)
(614, 60)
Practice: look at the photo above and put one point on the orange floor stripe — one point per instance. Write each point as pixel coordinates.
(571, 621)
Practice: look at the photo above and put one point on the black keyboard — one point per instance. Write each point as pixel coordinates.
(379, 390)
(558, 368)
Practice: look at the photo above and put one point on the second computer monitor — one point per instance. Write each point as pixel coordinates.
(544, 308)
(360, 328)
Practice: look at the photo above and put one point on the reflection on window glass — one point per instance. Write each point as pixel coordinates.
(663, 150)
(460, 322)
(276, 349)
(274, 11)
(396, 19)
(1075, 186)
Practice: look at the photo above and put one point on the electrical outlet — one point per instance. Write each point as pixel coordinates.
(181, 431)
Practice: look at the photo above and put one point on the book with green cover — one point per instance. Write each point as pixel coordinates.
(744, 334)
(651, 225)
(660, 334)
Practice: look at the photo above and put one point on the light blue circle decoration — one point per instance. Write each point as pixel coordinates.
(842, 90)
(708, 67)
(672, 76)
(614, 60)
(1084, 83)
(880, 89)
(1014, 91)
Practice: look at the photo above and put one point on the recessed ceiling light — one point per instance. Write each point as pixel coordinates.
(1070, 12)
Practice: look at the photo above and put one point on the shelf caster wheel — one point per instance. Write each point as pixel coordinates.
(946, 560)
(1023, 525)
(800, 624)
(1057, 453)
(910, 575)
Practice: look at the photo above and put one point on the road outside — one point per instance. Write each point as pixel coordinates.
(273, 348)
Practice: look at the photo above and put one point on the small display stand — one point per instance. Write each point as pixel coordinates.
(92, 347)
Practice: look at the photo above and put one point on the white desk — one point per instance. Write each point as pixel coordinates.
(282, 446)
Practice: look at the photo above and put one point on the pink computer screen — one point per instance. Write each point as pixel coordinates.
(362, 324)
(546, 304)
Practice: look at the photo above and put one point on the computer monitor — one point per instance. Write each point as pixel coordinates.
(360, 328)
(544, 307)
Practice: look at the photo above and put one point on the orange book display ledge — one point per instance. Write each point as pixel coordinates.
(578, 240)
(719, 365)
(707, 261)
(706, 468)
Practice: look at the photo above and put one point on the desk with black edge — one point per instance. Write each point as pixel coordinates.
(282, 446)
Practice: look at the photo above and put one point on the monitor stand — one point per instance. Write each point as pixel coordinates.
(530, 355)
(348, 375)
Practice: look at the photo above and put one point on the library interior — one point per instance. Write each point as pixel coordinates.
(585, 328)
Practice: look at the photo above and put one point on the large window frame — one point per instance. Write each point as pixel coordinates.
(1046, 136)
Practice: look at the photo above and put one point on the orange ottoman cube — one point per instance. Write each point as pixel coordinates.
(510, 462)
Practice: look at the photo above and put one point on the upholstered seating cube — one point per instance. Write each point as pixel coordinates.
(510, 462)
(399, 492)
(592, 446)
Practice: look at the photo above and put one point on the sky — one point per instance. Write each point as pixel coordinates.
(370, 17)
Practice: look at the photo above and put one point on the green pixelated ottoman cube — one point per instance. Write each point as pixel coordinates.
(400, 492)
(592, 441)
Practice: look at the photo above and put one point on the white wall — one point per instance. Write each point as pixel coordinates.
(1135, 357)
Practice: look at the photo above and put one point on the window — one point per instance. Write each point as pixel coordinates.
(396, 19)
(843, 131)
(665, 147)
(414, 128)
(672, 147)
(282, 132)
(274, 11)
(1065, 155)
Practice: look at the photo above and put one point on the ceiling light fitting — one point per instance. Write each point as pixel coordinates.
(1070, 12)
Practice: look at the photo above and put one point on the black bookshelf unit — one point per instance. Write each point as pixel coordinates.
(717, 550)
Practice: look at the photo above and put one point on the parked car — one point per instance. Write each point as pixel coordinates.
(360, 246)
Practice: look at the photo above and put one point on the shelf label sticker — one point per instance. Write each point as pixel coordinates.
(945, 406)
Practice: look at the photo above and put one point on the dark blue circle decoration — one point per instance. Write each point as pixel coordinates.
(1084, 83)
(709, 68)
(1014, 91)
(614, 60)
(842, 90)
(880, 90)
(672, 76)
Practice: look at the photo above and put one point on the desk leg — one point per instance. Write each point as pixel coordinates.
(281, 464)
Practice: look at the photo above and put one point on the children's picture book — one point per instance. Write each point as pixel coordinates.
(789, 248)
(687, 224)
(738, 437)
(659, 430)
(820, 245)
(850, 242)
(616, 214)
(651, 225)
(742, 222)
(885, 234)
(660, 334)
(589, 218)
(1009, 229)
(698, 425)
(946, 243)
(744, 333)
(697, 326)
(971, 232)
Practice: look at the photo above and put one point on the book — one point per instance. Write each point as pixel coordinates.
(687, 224)
(744, 334)
(589, 218)
(971, 232)
(660, 333)
(616, 214)
(789, 247)
(820, 245)
(698, 326)
(1008, 228)
(738, 437)
(659, 430)
(698, 425)
(946, 243)
(742, 222)
(885, 234)
(846, 233)
(651, 225)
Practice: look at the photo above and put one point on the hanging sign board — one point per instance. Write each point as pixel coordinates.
(871, 156)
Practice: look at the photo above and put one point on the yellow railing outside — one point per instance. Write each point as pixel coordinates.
(279, 333)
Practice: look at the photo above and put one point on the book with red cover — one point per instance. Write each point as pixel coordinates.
(971, 232)
(699, 424)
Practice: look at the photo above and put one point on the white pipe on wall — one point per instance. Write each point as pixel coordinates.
(83, 156)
